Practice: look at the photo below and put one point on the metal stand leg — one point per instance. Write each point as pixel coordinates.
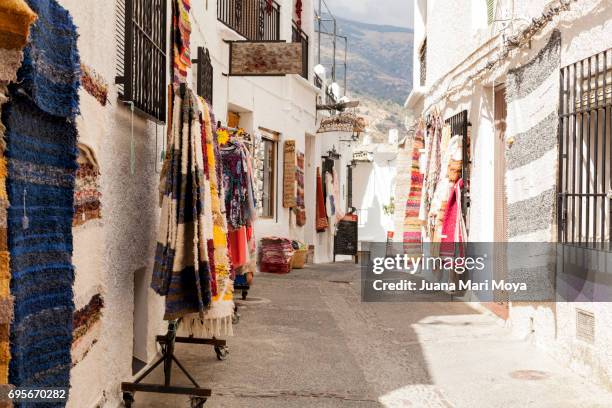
(167, 342)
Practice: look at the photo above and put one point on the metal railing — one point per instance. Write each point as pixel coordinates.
(142, 70)
(318, 81)
(299, 36)
(330, 97)
(255, 20)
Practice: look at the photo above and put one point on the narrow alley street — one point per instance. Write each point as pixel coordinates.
(306, 340)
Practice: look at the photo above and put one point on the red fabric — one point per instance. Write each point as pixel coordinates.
(452, 225)
(275, 255)
(298, 12)
(322, 223)
(238, 243)
(269, 6)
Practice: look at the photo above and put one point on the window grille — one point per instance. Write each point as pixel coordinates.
(142, 48)
(255, 20)
(204, 84)
(585, 158)
(460, 126)
(423, 62)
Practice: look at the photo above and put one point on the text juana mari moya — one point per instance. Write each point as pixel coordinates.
(408, 264)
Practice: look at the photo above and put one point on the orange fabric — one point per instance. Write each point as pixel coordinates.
(239, 247)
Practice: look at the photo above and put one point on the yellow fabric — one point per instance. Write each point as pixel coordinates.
(15, 20)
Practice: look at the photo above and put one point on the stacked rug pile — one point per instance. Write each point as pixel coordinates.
(41, 141)
(275, 255)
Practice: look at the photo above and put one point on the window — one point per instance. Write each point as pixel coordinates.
(585, 157)
(423, 62)
(268, 197)
(205, 75)
(143, 60)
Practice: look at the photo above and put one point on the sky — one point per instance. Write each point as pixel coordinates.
(391, 12)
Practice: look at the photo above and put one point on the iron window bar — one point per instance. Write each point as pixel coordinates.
(460, 126)
(204, 85)
(143, 57)
(255, 20)
(584, 187)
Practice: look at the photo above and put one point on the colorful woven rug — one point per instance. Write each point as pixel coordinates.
(412, 224)
(41, 151)
(87, 195)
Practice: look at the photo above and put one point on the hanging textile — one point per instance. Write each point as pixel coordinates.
(449, 174)
(453, 226)
(432, 167)
(94, 84)
(181, 272)
(41, 150)
(269, 6)
(321, 222)
(217, 321)
(412, 225)
(300, 209)
(181, 33)
(338, 211)
(298, 13)
(87, 195)
(239, 202)
(289, 167)
(15, 20)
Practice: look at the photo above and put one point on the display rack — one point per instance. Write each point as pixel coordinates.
(167, 343)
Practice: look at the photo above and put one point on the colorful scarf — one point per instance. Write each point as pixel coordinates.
(322, 223)
(41, 150)
(412, 225)
(300, 208)
(181, 272)
(453, 227)
(289, 167)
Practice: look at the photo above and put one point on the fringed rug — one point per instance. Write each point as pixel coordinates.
(41, 151)
(181, 271)
(87, 195)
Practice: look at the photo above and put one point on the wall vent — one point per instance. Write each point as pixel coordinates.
(585, 326)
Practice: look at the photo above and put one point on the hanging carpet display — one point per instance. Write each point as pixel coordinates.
(289, 198)
(15, 20)
(321, 221)
(181, 33)
(181, 272)
(217, 321)
(41, 150)
(300, 208)
(412, 225)
(87, 195)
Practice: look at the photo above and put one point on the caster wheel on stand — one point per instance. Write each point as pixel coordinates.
(244, 294)
(222, 352)
(128, 399)
(197, 402)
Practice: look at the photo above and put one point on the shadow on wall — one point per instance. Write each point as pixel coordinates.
(373, 230)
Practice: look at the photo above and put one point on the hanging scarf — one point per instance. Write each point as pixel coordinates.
(269, 6)
(181, 272)
(322, 223)
(412, 225)
(453, 227)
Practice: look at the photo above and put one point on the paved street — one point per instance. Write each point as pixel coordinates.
(306, 340)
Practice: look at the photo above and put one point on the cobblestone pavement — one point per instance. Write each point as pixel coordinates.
(306, 340)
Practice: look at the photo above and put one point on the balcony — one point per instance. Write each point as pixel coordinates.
(299, 36)
(255, 20)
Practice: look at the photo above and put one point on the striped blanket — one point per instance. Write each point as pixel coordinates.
(15, 20)
(41, 150)
(181, 271)
(412, 224)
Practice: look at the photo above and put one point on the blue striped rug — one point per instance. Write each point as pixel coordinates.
(42, 150)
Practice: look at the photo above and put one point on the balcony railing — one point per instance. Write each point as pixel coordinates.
(255, 20)
(331, 98)
(318, 81)
(299, 36)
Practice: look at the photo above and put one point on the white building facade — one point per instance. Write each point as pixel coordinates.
(508, 64)
(114, 258)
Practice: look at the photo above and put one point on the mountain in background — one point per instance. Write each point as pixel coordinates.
(379, 71)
